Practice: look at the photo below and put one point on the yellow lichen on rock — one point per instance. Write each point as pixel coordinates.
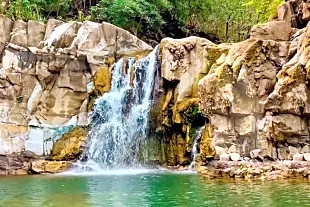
(70, 145)
(44, 166)
(206, 145)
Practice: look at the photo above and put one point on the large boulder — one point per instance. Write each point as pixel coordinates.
(255, 97)
(70, 145)
(48, 167)
(275, 30)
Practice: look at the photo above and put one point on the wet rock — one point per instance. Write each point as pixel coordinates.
(43, 166)
(283, 153)
(246, 159)
(29, 154)
(14, 164)
(70, 145)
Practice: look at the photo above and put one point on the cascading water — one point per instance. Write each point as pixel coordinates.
(120, 117)
(197, 136)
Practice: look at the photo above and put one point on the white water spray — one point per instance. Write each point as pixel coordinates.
(197, 136)
(120, 117)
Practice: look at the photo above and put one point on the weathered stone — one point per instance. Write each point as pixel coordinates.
(293, 150)
(219, 150)
(307, 156)
(283, 153)
(50, 26)
(224, 157)
(44, 166)
(305, 149)
(177, 64)
(298, 157)
(246, 159)
(232, 149)
(101, 39)
(257, 154)
(235, 156)
(44, 78)
(70, 145)
(275, 30)
(36, 32)
(5, 33)
(19, 34)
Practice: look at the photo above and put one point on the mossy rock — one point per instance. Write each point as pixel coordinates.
(70, 145)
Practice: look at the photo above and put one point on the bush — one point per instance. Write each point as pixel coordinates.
(37, 9)
(132, 15)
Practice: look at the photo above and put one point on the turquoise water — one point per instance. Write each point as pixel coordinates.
(150, 189)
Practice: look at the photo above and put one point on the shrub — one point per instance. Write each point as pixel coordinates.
(132, 15)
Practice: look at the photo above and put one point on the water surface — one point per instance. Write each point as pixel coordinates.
(148, 189)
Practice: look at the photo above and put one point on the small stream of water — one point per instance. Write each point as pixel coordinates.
(195, 152)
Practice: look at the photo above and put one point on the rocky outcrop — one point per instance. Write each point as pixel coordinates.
(184, 63)
(28, 162)
(256, 94)
(49, 74)
(70, 145)
(256, 170)
(294, 12)
(253, 94)
(49, 167)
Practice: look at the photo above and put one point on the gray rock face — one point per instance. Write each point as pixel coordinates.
(44, 74)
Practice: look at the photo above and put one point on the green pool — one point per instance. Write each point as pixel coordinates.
(148, 189)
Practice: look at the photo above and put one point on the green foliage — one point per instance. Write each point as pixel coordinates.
(229, 20)
(82, 17)
(37, 9)
(264, 9)
(130, 14)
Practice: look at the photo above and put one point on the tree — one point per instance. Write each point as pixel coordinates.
(37, 9)
(133, 15)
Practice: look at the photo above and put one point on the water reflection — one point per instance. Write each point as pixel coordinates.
(165, 190)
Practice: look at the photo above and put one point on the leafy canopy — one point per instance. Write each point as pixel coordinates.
(229, 20)
(130, 14)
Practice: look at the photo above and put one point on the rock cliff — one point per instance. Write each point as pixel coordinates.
(49, 75)
(254, 94)
(246, 101)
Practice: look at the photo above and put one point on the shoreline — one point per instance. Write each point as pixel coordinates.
(255, 170)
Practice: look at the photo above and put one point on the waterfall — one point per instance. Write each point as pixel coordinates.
(120, 117)
(195, 152)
